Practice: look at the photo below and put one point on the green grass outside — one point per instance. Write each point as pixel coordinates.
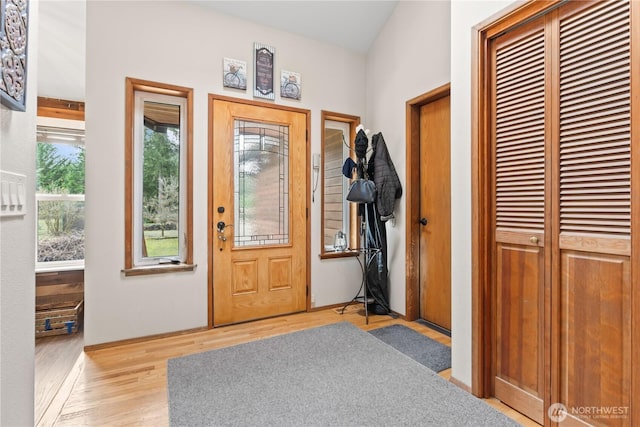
(161, 246)
(156, 244)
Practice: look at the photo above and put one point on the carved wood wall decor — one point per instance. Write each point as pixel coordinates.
(14, 21)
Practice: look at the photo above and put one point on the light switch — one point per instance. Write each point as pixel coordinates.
(5, 194)
(13, 194)
(21, 195)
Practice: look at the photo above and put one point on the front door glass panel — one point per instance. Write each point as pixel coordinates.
(261, 184)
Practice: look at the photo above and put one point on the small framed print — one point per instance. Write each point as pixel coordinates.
(263, 56)
(234, 74)
(290, 85)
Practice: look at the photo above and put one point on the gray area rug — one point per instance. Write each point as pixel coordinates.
(335, 375)
(429, 352)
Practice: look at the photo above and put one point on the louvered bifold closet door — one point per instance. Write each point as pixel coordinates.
(595, 209)
(519, 129)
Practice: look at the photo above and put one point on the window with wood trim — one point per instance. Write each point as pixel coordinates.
(339, 216)
(158, 222)
(60, 171)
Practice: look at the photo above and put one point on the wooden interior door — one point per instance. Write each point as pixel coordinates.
(520, 209)
(435, 211)
(259, 203)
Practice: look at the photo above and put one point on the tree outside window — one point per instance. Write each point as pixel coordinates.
(161, 192)
(60, 173)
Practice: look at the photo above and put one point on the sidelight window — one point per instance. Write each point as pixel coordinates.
(158, 224)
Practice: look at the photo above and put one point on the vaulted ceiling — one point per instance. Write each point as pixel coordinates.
(353, 25)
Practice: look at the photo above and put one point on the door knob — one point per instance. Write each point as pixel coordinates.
(533, 239)
(221, 225)
(423, 221)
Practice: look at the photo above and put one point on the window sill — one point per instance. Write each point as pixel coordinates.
(343, 254)
(57, 268)
(158, 269)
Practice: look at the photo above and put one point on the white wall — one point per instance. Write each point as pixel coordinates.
(409, 57)
(424, 45)
(464, 15)
(17, 254)
(184, 44)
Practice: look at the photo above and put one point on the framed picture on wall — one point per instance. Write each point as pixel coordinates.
(290, 85)
(234, 74)
(14, 21)
(264, 60)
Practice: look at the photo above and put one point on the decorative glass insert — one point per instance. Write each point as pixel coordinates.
(261, 184)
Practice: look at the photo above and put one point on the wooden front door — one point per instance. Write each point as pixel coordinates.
(435, 211)
(258, 210)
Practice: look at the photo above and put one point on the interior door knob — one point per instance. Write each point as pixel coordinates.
(423, 221)
(533, 239)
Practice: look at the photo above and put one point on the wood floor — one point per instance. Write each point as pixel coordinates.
(54, 359)
(127, 384)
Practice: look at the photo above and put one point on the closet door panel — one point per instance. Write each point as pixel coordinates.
(519, 129)
(594, 212)
(595, 127)
(519, 370)
(596, 337)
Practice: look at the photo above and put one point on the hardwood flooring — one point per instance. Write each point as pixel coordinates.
(127, 384)
(55, 356)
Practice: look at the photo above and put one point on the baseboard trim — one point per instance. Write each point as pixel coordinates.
(393, 314)
(327, 307)
(138, 340)
(142, 339)
(437, 328)
(460, 384)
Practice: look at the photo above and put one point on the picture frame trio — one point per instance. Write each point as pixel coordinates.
(234, 75)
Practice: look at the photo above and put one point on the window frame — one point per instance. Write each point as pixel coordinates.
(134, 264)
(62, 123)
(353, 235)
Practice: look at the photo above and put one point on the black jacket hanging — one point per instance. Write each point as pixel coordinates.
(384, 174)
